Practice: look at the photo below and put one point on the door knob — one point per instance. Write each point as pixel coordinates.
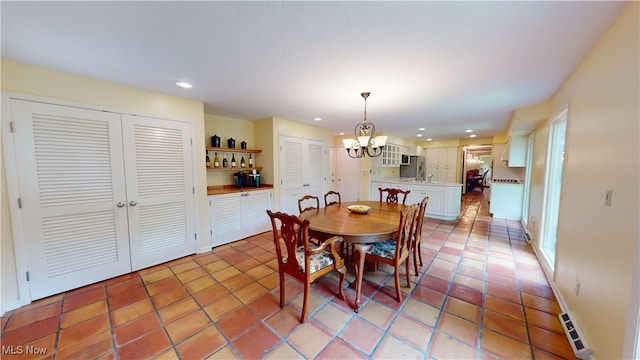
(120, 204)
(133, 203)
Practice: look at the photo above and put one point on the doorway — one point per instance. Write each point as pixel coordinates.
(476, 167)
(347, 175)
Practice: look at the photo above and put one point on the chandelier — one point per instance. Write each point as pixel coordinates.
(364, 142)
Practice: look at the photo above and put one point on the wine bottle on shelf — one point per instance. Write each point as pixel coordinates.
(216, 161)
(225, 163)
(250, 161)
(233, 160)
(242, 162)
(208, 160)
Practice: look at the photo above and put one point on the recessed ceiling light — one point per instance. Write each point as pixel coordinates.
(421, 129)
(419, 135)
(472, 135)
(341, 133)
(468, 130)
(317, 119)
(429, 139)
(183, 84)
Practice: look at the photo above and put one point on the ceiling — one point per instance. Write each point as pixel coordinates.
(443, 66)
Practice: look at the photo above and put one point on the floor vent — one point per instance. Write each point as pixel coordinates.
(527, 237)
(578, 344)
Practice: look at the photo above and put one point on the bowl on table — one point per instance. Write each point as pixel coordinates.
(358, 209)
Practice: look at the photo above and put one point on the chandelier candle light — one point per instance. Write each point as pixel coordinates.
(364, 142)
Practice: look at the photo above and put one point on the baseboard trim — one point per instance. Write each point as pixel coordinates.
(11, 305)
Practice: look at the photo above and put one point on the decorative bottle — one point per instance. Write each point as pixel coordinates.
(242, 162)
(233, 160)
(216, 161)
(250, 161)
(208, 160)
(225, 163)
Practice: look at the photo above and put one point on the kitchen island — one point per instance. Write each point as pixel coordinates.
(444, 198)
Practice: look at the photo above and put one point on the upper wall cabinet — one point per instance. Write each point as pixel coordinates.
(515, 153)
(390, 157)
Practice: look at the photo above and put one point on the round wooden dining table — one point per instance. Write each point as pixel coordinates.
(380, 223)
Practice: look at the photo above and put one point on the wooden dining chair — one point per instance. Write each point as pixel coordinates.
(417, 234)
(396, 251)
(393, 194)
(301, 259)
(309, 199)
(330, 198)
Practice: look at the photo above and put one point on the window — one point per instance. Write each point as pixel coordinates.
(553, 182)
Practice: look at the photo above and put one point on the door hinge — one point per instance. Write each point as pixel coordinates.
(19, 203)
(193, 189)
(27, 276)
(11, 127)
(191, 140)
(195, 236)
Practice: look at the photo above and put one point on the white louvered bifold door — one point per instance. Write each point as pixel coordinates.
(160, 199)
(71, 178)
(316, 168)
(291, 173)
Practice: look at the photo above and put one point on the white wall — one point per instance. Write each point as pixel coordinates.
(597, 245)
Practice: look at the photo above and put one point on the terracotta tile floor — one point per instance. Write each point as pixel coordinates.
(480, 294)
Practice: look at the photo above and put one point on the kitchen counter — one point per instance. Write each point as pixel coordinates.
(505, 201)
(444, 198)
(416, 182)
(229, 189)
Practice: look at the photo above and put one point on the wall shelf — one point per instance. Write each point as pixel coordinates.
(232, 150)
(248, 169)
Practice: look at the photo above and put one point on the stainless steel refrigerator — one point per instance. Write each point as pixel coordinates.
(416, 168)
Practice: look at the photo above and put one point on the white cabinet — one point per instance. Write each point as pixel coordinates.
(441, 163)
(515, 153)
(435, 194)
(303, 170)
(506, 201)
(238, 215)
(390, 157)
(413, 150)
(444, 199)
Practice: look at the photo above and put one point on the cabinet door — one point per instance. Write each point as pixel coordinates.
(226, 218)
(71, 178)
(254, 212)
(452, 156)
(160, 199)
(435, 203)
(450, 175)
(415, 196)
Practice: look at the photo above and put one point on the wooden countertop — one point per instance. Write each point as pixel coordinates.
(228, 189)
